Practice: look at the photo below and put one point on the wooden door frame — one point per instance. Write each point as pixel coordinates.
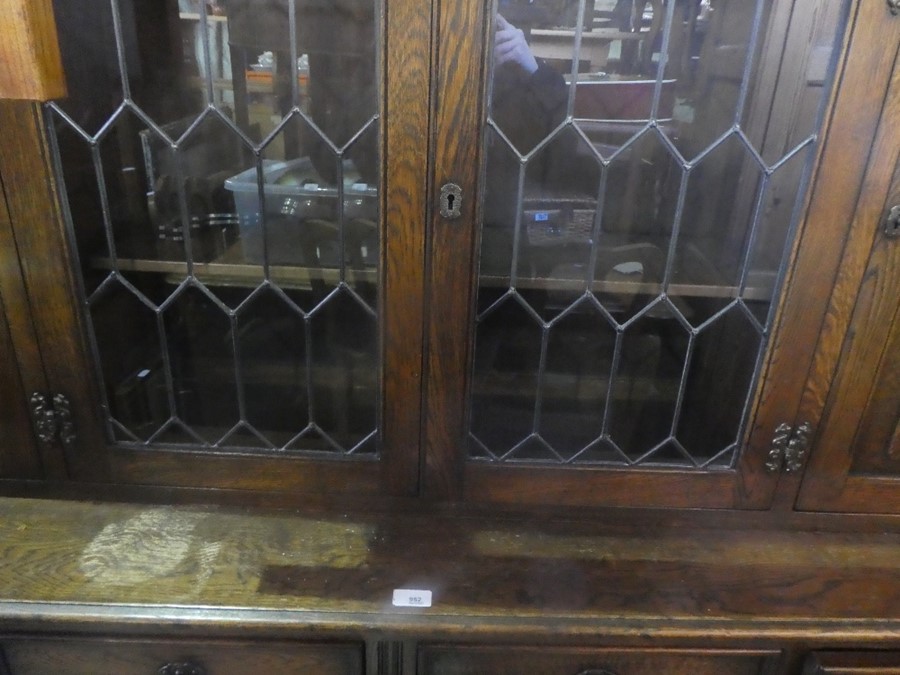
(39, 219)
(848, 131)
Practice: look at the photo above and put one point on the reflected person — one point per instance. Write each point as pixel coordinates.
(529, 97)
(528, 104)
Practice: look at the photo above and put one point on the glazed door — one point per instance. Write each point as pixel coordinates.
(641, 228)
(233, 296)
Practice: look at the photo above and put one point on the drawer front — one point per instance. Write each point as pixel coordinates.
(853, 663)
(46, 656)
(460, 660)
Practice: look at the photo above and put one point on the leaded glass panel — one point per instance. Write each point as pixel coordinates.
(220, 166)
(645, 163)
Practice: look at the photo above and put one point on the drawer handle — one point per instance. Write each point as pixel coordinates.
(596, 671)
(186, 668)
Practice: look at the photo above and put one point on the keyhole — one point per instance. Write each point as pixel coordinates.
(450, 200)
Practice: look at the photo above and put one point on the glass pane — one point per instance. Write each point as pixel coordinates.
(644, 164)
(220, 162)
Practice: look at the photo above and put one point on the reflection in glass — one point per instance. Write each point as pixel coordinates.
(644, 163)
(221, 168)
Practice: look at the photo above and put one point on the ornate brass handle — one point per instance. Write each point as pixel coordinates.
(52, 420)
(596, 671)
(43, 418)
(186, 668)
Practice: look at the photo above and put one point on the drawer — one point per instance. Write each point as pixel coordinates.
(49, 656)
(496, 660)
(853, 663)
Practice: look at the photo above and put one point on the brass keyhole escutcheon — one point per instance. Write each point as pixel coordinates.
(450, 201)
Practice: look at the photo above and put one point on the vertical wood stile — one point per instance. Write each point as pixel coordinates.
(456, 104)
(30, 64)
(407, 57)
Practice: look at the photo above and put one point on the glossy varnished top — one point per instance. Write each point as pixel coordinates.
(80, 563)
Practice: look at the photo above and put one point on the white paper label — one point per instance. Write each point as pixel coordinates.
(406, 597)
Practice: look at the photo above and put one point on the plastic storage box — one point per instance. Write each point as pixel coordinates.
(299, 206)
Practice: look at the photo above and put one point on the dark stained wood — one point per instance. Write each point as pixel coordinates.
(807, 316)
(22, 340)
(451, 62)
(128, 657)
(30, 198)
(30, 66)
(862, 409)
(529, 583)
(19, 456)
(500, 660)
(524, 578)
(18, 447)
(853, 663)
(404, 147)
(213, 470)
(877, 443)
(407, 54)
(458, 89)
(855, 467)
(96, 567)
(574, 487)
(751, 486)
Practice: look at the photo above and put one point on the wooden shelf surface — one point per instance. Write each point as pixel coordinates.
(218, 565)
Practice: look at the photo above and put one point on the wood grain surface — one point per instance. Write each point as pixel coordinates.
(453, 660)
(407, 53)
(30, 65)
(338, 573)
(44, 280)
(853, 663)
(866, 374)
(19, 455)
(457, 104)
(824, 255)
(131, 657)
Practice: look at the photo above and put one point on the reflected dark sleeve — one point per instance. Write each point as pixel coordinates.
(528, 107)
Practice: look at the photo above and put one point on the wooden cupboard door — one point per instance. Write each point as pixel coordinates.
(648, 292)
(855, 460)
(230, 198)
(19, 454)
